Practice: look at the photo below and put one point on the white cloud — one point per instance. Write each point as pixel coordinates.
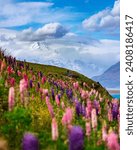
(88, 56)
(51, 30)
(108, 19)
(14, 14)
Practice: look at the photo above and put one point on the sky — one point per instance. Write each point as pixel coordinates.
(82, 35)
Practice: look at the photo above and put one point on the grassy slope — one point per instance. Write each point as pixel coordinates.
(47, 70)
(36, 117)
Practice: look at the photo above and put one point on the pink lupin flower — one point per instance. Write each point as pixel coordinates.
(54, 127)
(94, 118)
(12, 81)
(11, 98)
(104, 133)
(88, 129)
(64, 119)
(110, 118)
(69, 113)
(84, 94)
(49, 105)
(89, 105)
(88, 109)
(67, 117)
(112, 141)
(10, 70)
(62, 105)
(23, 88)
(19, 73)
(43, 80)
(57, 100)
(45, 92)
(76, 85)
(88, 112)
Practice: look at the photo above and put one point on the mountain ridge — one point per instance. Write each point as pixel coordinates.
(111, 77)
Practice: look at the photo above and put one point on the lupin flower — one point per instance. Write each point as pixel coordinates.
(112, 141)
(84, 94)
(40, 74)
(76, 85)
(50, 108)
(11, 98)
(104, 133)
(52, 93)
(31, 83)
(38, 84)
(12, 81)
(54, 128)
(96, 106)
(69, 93)
(115, 110)
(88, 113)
(43, 80)
(83, 110)
(57, 100)
(62, 105)
(30, 142)
(94, 118)
(88, 128)
(89, 105)
(45, 92)
(19, 73)
(10, 70)
(67, 117)
(88, 109)
(23, 88)
(76, 138)
(78, 108)
(110, 118)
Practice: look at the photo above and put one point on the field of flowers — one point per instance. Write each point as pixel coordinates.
(49, 108)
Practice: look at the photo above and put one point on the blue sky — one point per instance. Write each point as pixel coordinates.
(79, 10)
(83, 32)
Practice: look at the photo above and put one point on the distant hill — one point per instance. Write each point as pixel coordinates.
(110, 78)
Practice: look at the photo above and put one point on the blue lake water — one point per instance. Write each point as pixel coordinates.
(116, 95)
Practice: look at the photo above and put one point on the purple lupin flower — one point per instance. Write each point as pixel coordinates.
(96, 105)
(38, 84)
(83, 110)
(115, 110)
(52, 93)
(69, 93)
(78, 108)
(30, 142)
(76, 138)
(30, 83)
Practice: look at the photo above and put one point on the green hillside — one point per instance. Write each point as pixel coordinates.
(49, 102)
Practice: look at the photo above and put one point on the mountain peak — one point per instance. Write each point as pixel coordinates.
(111, 77)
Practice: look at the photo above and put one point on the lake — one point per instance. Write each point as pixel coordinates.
(116, 95)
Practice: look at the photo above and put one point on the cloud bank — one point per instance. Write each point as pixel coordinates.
(83, 54)
(108, 19)
(51, 30)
